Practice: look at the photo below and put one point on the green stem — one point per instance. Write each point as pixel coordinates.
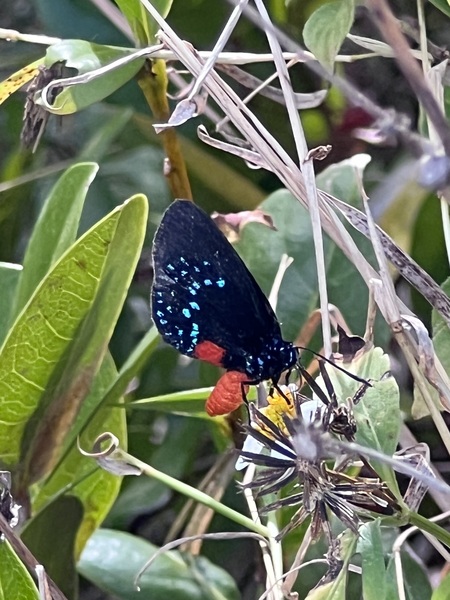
(196, 495)
(428, 526)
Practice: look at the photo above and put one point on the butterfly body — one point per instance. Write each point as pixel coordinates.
(207, 304)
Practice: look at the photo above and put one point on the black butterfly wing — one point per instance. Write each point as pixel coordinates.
(202, 290)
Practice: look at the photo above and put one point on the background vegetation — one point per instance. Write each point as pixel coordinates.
(79, 350)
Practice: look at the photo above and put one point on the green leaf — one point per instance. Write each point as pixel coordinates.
(378, 413)
(91, 341)
(326, 28)
(416, 583)
(190, 401)
(342, 180)
(79, 475)
(56, 228)
(441, 343)
(15, 581)
(86, 57)
(441, 333)
(45, 329)
(143, 26)
(372, 556)
(336, 589)
(262, 249)
(427, 250)
(56, 527)
(442, 592)
(48, 336)
(442, 5)
(112, 559)
(9, 280)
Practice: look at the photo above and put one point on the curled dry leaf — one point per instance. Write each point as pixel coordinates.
(251, 157)
(319, 153)
(185, 110)
(232, 224)
(8, 508)
(110, 458)
(350, 346)
(418, 457)
(301, 100)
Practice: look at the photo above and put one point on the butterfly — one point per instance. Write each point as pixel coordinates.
(206, 304)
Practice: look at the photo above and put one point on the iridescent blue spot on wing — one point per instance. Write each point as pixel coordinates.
(187, 313)
(220, 282)
(207, 282)
(194, 305)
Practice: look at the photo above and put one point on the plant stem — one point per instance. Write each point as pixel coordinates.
(195, 494)
(428, 526)
(152, 80)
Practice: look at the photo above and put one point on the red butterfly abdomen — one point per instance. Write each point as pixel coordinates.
(228, 394)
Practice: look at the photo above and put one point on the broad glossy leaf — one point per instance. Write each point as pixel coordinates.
(31, 359)
(132, 366)
(91, 341)
(15, 581)
(56, 228)
(9, 280)
(56, 528)
(45, 329)
(370, 548)
(85, 57)
(69, 19)
(112, 560)
(326, 28)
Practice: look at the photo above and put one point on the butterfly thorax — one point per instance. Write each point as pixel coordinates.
(268, 363)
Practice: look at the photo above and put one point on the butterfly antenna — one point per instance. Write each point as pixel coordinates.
(329, 361)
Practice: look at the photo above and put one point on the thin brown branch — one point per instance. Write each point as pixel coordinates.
(152, 79)
(390, 30)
